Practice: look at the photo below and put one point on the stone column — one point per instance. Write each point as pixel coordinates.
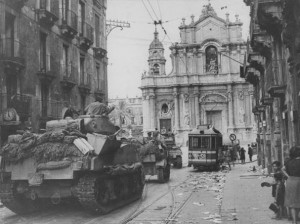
(176, 105)
(197, 110)
(152, 111)
(230, 105)
(146, 123)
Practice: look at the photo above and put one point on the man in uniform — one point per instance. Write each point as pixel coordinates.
(98, 108)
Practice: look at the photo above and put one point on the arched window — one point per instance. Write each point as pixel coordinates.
(211, 53)
(156, 69)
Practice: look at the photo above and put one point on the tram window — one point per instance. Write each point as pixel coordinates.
(195, 143)
(213, 142)
(205, 142)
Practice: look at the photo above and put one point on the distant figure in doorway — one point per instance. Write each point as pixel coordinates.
(250, 152)
(243, 156)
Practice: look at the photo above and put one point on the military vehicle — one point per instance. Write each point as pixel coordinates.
(155, 159)
(175, 153)
(77, 159)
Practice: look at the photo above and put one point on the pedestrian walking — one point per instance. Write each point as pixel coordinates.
(243, 156)
(292, 193)
(250, 152)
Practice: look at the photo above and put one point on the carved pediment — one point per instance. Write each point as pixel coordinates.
(213, 98)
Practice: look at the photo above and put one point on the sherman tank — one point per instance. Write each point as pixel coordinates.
(155, 159)
(79, 159)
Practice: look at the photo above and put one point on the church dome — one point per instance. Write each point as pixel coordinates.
(156, 43)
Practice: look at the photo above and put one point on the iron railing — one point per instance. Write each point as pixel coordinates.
(71, 19)
(11, 48)
(51, 6)
(88, 32)
(69, 71)
(275, 73)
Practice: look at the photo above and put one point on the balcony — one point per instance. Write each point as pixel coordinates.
(46, 73)
(100, 91)
(69, 27)
(275, 78)
(86, 37)
(68, 82)
(267, 101)
(16, 4)
(85, 85)
(20, 102)
(12, 53)
(99, 52)
(48, 12)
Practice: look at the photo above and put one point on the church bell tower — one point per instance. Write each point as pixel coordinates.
(156, 60)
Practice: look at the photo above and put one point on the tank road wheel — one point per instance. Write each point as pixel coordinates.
(102, 194)
(179, 162)
(17, 203)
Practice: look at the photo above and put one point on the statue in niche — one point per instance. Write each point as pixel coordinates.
(187, 119)
(241, 115)
(211, 60)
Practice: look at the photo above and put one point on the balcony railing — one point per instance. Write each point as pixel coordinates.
(85, 84)
(70, 24)
(72, 19)
(21, 103)
(12, 52)
(87, 36)
(48, 11)
(69, 74)
(276, 74)
(47, 68)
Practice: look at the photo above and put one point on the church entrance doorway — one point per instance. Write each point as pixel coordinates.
(214, 118)
(165, 125)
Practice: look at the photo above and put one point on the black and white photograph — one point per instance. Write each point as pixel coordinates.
(149, 111)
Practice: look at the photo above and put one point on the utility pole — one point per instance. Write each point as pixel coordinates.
(112, 24)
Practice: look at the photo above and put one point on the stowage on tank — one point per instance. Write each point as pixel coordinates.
(77, 159)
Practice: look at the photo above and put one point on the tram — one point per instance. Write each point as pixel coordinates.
(205, 147)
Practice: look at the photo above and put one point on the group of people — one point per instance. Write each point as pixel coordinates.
(235, 153)
(286, 187)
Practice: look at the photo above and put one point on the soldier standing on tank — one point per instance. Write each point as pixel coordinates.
(98, 108)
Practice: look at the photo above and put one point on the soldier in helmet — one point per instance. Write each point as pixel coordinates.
(98, 108)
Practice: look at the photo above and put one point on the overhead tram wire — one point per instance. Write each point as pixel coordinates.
(153, 10)
(147, 10)
(159, 9)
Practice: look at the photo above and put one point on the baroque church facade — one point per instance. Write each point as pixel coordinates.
(204, 86)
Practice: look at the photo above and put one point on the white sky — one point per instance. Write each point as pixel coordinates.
(128, 48)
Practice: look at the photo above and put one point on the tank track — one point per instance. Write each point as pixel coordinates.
(93, 194)
(16, 203)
